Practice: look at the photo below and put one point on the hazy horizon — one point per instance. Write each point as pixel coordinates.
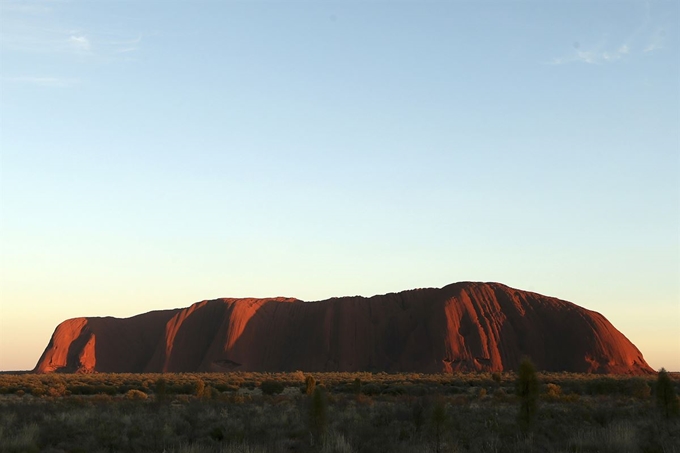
(153, 155)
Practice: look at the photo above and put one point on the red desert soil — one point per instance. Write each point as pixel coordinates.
(464, 326)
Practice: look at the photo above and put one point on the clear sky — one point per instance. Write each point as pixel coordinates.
(158, 153)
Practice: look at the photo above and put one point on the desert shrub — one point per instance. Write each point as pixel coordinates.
(395, 390)
(81, 390)
(38, 391)
(182, 389)
(212, 393)
(370, 389)
(101, 399)
(57, 390)
(199, 388)
(438, 419)
(223, 387)
(499, 394)
(136, 395)
(417, 390)
(418, 413)
(553, 392)
(104, 389)
(639, 388)
(310, 385)
(607, 386)
(271, 387)
(496, 377)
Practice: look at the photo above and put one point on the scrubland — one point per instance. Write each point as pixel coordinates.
(332, 412)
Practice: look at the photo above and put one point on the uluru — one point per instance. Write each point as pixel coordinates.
(467, 326)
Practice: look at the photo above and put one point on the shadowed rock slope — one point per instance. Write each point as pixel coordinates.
(464, 326)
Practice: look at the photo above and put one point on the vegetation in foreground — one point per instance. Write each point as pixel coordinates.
(339, 412)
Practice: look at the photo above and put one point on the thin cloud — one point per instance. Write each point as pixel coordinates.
(620, 53)
(23, 8)
(595, 56)
(80, 43)
(126, 46)
(656, 41)
(32, 28)
(57, 82)
(626, 48)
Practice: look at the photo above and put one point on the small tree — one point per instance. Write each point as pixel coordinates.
(527, 390)
(318, 415)
(161, 391)
(665, 395)
(356, 386)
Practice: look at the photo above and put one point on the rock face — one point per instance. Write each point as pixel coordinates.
(464, 326)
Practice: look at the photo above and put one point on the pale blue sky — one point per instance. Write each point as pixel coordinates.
(159, 153)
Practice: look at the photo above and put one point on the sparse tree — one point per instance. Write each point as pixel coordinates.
(318, 416)
(666, 399)
(527, 390)
(161, 391)
(356, 386)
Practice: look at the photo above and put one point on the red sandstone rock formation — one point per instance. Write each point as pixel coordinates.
(463, 326)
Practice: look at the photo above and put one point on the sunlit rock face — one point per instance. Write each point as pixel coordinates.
(462, 327)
